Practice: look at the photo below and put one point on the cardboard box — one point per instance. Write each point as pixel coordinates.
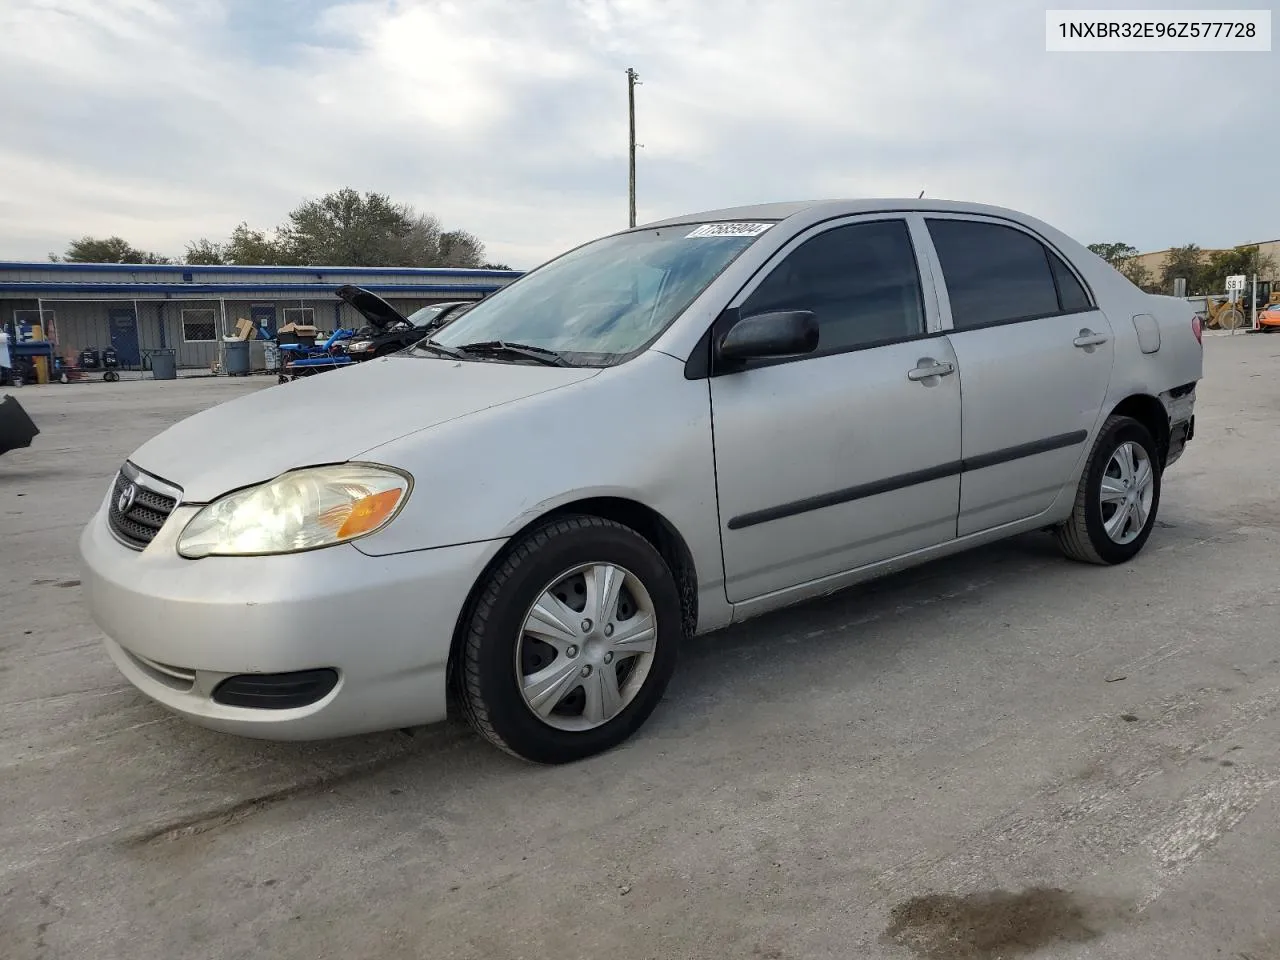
(300, 329)
(244, 329)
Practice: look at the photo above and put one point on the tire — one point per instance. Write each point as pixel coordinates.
(498, 656)
(1084, 537)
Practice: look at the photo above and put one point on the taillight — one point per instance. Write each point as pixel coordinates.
(1195, 328)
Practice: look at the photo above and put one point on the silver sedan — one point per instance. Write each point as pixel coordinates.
(657, 434)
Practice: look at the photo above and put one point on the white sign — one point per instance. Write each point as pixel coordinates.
(1236, 284)
(729, 230)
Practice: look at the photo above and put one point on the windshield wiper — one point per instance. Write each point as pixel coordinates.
(494, 348)
(433, 347)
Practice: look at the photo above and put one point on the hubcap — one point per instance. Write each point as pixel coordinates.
(586, 646)
(1128, 490)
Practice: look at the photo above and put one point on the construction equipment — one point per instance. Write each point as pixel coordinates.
(1235, 312)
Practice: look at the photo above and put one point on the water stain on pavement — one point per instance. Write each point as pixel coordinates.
(993, 924)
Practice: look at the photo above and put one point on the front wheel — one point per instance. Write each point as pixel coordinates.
(1118, 496)
(571, 641)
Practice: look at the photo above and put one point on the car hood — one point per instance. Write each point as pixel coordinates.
(372, 307)
(332, 418)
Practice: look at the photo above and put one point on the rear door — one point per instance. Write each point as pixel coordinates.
(1035, 359)
(850, 455)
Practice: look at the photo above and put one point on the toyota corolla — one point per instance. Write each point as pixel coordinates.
(654, 435)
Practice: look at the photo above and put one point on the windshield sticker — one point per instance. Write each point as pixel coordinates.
(728, 230)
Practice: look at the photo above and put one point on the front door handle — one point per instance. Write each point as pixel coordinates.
(1088, 338)
(929, 367)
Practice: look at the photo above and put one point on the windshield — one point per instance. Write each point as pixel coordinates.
(427, 315)
(604, 301)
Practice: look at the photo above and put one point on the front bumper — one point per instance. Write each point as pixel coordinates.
(178, 628)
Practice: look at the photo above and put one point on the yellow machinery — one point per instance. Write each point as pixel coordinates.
(1225, 314)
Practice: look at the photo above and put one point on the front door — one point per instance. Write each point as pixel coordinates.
(124, 335)
(263, 317)
(1035, 358)
(849, 455)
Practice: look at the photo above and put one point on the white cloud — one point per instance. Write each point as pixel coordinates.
(164, 121)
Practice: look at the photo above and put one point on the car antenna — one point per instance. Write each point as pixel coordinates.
(921, 197)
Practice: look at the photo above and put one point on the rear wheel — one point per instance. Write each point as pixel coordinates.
(571, 641)
(1118, 496)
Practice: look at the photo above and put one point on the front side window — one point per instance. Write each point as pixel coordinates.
(994, 274)
(606, 300)
(860, 280)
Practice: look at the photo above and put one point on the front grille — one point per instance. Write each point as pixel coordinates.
(137, 511)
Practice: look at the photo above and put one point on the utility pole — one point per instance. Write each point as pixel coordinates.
(632, 79)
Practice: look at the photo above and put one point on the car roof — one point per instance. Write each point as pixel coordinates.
(833, 208)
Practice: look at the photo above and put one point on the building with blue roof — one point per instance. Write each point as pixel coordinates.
(137, 308)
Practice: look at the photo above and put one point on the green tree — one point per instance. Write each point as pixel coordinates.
(1114, 253)
(1187, 262)
(1245, 261)
(204, 251)
(496, 266)
(254, 248)
(107, 250)
(460, 249)
(348, 228)
(1124, 258)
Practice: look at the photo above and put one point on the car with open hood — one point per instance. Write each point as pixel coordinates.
(386, 329)
(660, 433)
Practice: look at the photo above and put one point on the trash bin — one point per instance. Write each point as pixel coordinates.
(164, 364)
(236, 361)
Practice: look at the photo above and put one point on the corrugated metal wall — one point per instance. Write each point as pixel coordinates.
(184, 324)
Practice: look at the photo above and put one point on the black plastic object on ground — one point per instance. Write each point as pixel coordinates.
(16, 428)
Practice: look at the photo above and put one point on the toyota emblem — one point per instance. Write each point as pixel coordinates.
(128, 494)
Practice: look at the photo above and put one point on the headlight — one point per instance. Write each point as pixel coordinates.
(302, 510)
(360, 346)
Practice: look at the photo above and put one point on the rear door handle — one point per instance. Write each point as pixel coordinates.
(1088, 338)
(928, 367)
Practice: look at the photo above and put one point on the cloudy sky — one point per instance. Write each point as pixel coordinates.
(166, 120)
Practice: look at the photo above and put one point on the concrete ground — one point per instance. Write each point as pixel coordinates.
(1000, 755)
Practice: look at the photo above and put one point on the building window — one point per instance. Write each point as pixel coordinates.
(302, 316)
(198, 326)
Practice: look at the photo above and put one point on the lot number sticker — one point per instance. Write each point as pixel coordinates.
(729, 230)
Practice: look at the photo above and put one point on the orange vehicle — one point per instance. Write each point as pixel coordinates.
(1269, 316)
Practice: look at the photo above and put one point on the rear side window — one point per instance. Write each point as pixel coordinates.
(994, 274)
(1070, 294)
(860, 280)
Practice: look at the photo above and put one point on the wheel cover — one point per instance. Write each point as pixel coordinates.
(586, 646)
(1128, 492)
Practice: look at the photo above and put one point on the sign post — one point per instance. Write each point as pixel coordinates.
(1235, 287)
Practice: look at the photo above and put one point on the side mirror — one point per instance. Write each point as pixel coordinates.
(779, 334)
